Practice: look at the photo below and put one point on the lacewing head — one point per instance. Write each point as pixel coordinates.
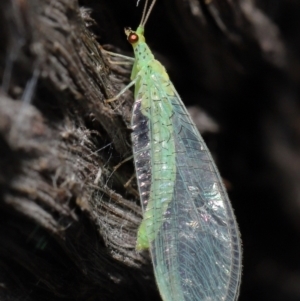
(134, 37)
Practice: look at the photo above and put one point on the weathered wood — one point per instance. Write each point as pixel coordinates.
(67, 223)
(65, 232)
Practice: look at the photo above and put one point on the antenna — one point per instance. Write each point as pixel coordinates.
(146, 16)
(144, 12)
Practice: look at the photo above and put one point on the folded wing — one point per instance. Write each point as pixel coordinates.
(195, 245)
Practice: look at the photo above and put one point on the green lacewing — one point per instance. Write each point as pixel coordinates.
(188, 222)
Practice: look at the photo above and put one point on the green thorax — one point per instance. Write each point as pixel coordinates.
(142, 53)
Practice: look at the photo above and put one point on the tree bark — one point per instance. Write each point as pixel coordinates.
(68, 219)
(68, 225)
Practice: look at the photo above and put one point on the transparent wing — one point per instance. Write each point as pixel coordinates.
(195, 249)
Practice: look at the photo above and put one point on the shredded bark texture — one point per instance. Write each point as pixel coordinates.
(68, 222)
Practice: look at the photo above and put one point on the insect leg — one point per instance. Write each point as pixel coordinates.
(121, 92)
(126, 58)
(129, 181)
(121, 163)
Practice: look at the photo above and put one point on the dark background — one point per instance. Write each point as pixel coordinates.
(63, 237)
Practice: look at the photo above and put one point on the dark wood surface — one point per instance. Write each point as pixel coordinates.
(67, 223)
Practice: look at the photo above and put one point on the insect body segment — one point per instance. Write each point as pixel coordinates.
(151, 94)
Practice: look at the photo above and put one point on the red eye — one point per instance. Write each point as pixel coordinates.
(133, 38)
